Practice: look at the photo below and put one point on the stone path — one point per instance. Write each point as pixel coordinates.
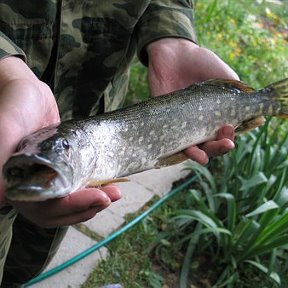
(136, 194)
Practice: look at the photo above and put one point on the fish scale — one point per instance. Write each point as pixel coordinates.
(60, 159)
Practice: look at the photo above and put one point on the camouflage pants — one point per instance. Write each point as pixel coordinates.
(26, 249)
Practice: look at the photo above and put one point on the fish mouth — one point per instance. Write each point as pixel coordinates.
(33, 178)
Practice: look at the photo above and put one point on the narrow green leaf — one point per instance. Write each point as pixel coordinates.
(268, 217)
(188, 257)
(195, 194)
(231, 209)
(269, 205)
(274, 276)
(209, 196)
(283, 165)
(282, 197)
(272, 262)
(204, 172)
(275, 229)
(245, 230)
(256, 180)
(226, 279)
(199, 216)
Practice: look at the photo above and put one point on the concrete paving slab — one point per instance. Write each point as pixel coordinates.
(134, 196)
(105, 222)
(74, 243)
(160, 181)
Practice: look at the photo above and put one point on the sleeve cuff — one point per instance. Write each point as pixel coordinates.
(8, 48)
(164, 22)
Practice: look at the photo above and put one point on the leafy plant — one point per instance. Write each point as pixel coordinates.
(239, 210)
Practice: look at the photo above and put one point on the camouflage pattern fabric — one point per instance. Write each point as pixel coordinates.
(26, 249)
(36, 242)
(82, 50)
(7, 217)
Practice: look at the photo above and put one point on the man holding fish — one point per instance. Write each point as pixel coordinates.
(69, 58)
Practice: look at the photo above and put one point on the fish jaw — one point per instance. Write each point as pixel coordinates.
(34, 178)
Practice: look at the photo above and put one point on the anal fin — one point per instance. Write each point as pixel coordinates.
(250, 124)
(171, 160)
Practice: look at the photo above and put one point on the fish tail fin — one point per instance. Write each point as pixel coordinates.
(280, 92)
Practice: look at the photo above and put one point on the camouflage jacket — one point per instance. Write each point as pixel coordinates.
(83, 49)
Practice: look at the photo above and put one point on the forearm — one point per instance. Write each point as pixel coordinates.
(175, 63)
(164, 60)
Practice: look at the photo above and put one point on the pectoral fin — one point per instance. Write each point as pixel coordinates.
(171, 160)
(250, 124)
(96, 183)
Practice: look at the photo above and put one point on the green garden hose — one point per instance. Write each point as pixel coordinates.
(110, 237)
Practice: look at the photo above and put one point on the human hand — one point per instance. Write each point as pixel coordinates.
(177, 63)
(26, 105)
(76, 207)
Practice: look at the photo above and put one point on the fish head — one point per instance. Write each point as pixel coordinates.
(41, 168)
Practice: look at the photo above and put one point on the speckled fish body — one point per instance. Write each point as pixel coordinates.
(60, 159)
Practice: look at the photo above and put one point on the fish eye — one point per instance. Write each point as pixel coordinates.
(65, 144)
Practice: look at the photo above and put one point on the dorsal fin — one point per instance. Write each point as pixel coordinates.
(231, 84)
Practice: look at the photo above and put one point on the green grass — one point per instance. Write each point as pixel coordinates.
(138, 89)
(230, 232)
(129, 263)
(250, 37)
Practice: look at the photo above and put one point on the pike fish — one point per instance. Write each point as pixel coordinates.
(60, 159)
